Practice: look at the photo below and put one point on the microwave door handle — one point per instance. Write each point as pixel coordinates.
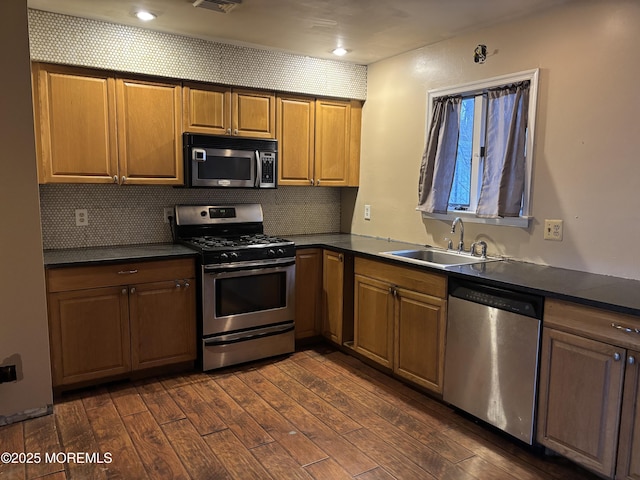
(258, 169)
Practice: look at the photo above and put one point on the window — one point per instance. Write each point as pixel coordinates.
(461, 179)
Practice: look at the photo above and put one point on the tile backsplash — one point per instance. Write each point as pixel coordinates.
(130, 214)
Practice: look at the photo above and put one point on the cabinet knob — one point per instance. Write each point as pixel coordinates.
(311, 182)
(235, 132)
(177, 284)
(317, 183)
(631, 360)
(115, 179)
(186, 284)
(124, 291)
(616, 357)
(124, 179)
(340, 257)
(228, 131)
(133, 290)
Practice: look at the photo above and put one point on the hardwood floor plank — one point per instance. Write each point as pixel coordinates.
(95, 397)
(315, 367)
(196, 456)
(127, 399)
(159, 459)
(77, 436)
(376, 474)
(12, 441)
(323, 410)
(327, 468)
(481, 469)
(197, 409)
(397, 464)
(41, 436)
(344, 453)
(279, 463)
(111, 436)
(245, 428)
(163, 408)
(239, 462)
(303, 450)
(54, 476)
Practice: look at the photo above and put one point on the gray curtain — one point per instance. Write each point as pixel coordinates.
(504, 164)
(439, 159)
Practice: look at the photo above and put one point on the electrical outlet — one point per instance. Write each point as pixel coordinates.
(553, 230)
(82, 217)
(367, 212)
(168, 212)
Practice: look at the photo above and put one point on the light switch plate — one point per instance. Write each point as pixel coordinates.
(367, 212)
(553, 230)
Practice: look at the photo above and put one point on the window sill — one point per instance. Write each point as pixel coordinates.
(522, 222)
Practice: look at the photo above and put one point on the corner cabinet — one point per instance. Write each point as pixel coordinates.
(400, 320)
(319, 141)
(94, 127)
(337, 296)
(588, 402)
(109, 320)
(222, 110)
(308, 292)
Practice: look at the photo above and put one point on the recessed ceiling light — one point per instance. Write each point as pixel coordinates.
(145, 16)
(340, 51)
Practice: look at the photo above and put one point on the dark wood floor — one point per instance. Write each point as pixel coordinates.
(316, 414)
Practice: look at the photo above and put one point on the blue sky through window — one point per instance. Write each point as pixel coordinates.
(460, 195)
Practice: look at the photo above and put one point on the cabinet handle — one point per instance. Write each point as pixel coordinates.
(177, 284)
(124, 291)
(115, 179)
(124, 179)
(340, 257)
(616, 357)
(133, 290)
(235, 132)
(631, 360)
(186, 284)
(625, 329)
(317, 183)
(311, 182)
(127, 272)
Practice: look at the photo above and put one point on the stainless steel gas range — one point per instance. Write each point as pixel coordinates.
(246, 294)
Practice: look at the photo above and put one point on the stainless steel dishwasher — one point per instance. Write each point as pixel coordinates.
(491, 359)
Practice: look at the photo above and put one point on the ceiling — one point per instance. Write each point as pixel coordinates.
(370, 29)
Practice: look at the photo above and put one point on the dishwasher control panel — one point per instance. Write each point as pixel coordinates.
(516, 302)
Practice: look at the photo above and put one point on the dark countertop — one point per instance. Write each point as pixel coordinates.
(604, 291)
(612, 293)
(120, 253)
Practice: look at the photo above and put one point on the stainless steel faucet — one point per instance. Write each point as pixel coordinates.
(453, 230)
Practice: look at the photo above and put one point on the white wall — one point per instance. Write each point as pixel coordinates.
(586, 164)
(23, 319)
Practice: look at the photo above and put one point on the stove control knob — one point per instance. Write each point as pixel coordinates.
(203, 213)
(271, 252)
(234, 255)
(280, 251)
(224, 256)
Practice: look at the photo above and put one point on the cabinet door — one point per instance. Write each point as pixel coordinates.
(332, 295)
(308, 292)
(373, 319)
(333, 130)
(296, 132)
(629, 446)
(89, 334)
(207, 109)
(163, 323)
(420, 324)
(150, 132)
(253, 114)
(579, 400)
(75, 112)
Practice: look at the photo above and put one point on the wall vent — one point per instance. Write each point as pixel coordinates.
(221, 6)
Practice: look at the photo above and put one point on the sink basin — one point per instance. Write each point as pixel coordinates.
(436, 258)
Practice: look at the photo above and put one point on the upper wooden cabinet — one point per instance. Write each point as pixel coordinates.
(93, 127)
(319, 141)
(221, 110)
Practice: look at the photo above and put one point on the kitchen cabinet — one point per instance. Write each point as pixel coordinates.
(308, 292)
(588, 395)
(400, 320)
(222, 110)
(94, 127)
(109, 320)
(337, 296)
(319, 141)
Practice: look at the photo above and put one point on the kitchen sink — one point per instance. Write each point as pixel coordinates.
(436, 258)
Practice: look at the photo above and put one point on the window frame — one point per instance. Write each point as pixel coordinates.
(476, 88)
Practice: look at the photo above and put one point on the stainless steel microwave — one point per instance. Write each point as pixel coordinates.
(230, 162)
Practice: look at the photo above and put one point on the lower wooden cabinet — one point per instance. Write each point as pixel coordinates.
(337, 296)
(108, 320)
(400, 320)
(308, 292)
(588, 399)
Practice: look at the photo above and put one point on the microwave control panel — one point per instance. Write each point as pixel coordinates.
(268, 175)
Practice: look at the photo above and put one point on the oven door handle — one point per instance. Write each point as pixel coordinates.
(249, 267)
(249, 335)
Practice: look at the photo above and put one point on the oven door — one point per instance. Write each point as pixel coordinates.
(238, 297)
(217, 167)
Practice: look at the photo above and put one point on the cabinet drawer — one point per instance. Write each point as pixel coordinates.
(79, 278)
(429, 283)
